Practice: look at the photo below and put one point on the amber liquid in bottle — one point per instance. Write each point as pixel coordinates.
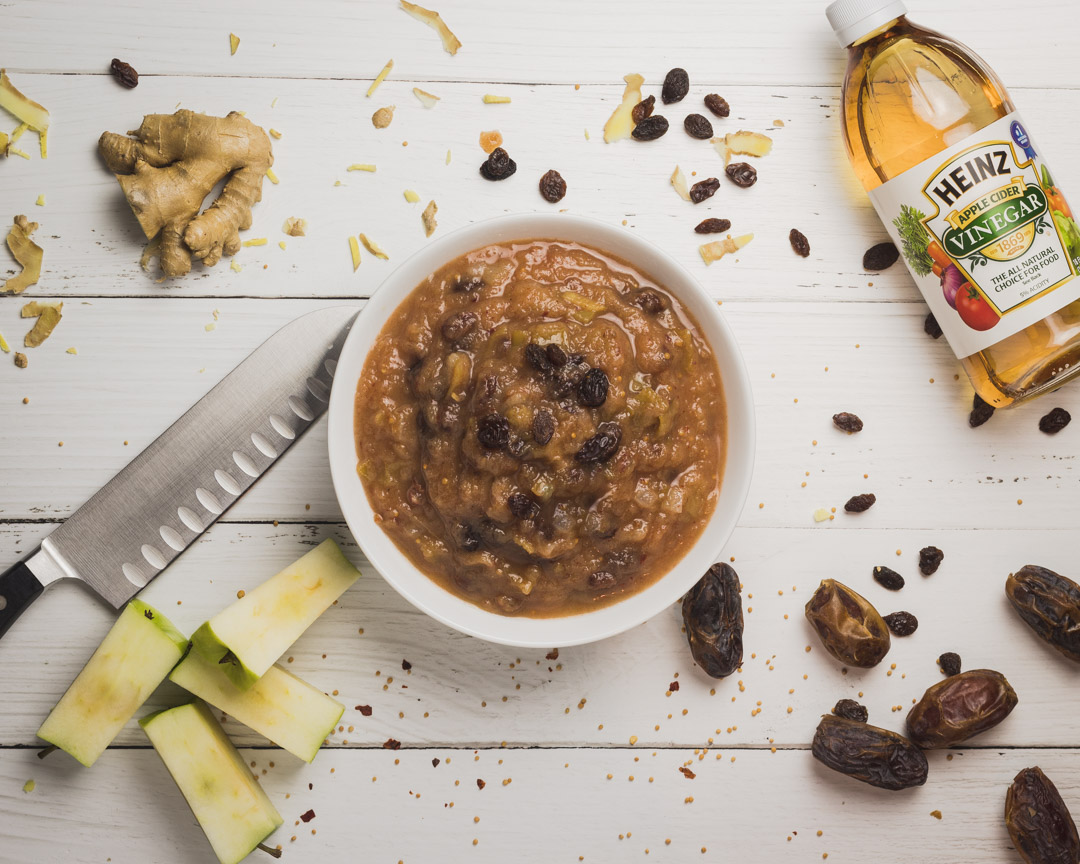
(909, 93)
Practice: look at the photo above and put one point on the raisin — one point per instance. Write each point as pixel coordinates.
(851, 710)
(902, 623)
(980, 412)
(930, 326)
(1049, 604)
(493, 432)
(704, 189)
(649, 301)
(888, 578)
(676, 86)
(697, 126)
(848, 625)
(467, 283)
(543, 427)
(960, 707)
(555, 354)
(860, 503)
(552, 186)
(522, 506)
(741, 174)
(602, 446)
(1039, 823)
(712, 226)
(498, 166)
(537, 357)
(650, 128)
(799, 244)
(949, 663)
(643, 109)
(847, 422)
(1055, 421)
(468, 538)
(868, 753)
(713, 617)
(415, 495)
(593, 388)
(480, 784)
(124, 73)
(601, 580)
(880, 257)
(718, 105)
(458, 325)
(930, 558)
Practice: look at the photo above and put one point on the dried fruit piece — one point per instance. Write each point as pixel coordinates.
(1039, 823)
(428, 218)
(888, 578)
(742, 174)
(601, 446)
(697, 126)
(450, 42)
(930, 558)
(869, 754)
(552, 187)
(902, 623)
(847, 422)
(649, 301)
(851, 710)
(949, 663)
(1049, 604)
(880, 257)
(124, 73)
(712, 226)
(621, 122)
(493, 432)
(676, 86)
(428, 100)
(373, 247)
(860, 503)
(931, 326)
(704, 189)
(650, 128)
(383, 117)
(719, 248)
(498, 166)
(1054, 421)
(26, 252)
(718, 105)
(458, 325)
(522, 506)
(295, 226)
(20, 360)
(593, 388)
(848, 625)
(380, 77)
(960, 707)
(799, 244)
(643, 109)
(543, 427)
(490, 140)
(678, 182)
(980, 412)
(712, 614)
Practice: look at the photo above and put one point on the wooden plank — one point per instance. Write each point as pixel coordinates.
(562, 41)
(462, 691)
(559, 805)
(92, 244)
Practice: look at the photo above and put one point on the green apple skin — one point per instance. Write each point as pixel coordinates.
(134, 657)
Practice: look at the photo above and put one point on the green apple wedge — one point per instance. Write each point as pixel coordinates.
(247, 637)
(132, 659)
(285, 709)
(231, 807)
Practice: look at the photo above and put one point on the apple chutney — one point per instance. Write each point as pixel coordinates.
(540, 428)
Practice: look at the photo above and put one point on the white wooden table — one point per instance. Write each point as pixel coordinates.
(580, 755)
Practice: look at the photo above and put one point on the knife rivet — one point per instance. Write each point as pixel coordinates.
(3, 602)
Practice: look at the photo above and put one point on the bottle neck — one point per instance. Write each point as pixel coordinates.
(873, 34)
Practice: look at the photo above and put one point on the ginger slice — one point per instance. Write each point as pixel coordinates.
(354, 250)
(428, 100)
(4, 345)
(748, 143)
(295, 227)
(274, 133)
(373, 247)
(678, 180)
(411, 196)
(20, 360)
(383, 117)
(719, 248)
(434, 20)
(48, 316)
(620, 124)
(234, 43)
(27, 253)
(271, 176)
(5, 140)
(256, 241)
(381, 76)
(428, 218)
(26, 110)
(492, 99)
(361, 166)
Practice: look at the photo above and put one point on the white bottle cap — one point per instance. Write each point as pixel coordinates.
(852, 19)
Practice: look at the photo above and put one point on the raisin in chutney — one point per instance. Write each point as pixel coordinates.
(541, 429)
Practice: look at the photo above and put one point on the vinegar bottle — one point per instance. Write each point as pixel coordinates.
(959, 181)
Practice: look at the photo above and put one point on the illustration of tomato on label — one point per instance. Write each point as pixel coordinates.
(974, 310)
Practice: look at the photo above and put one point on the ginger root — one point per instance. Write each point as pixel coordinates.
(27, 253)
(169, 167)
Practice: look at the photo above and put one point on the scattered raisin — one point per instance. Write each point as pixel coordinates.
(552, 186)
(537, 357)
(365, 710)
(593, 388)
(1055, 421)
(307, 817)
(522, 506)
(676, 86)
(930, 326)
(980, 412)
(458, 325)
(902, 623)
(469, 538)
(391, 744)
(643, 109)
(880, 257)
(847, 422)
(704, 189)
(467, 283)
(697, 126)
(930, 558)
(602, 445)
(712, 226)
(601, 580)
(950, 663)
(498, 166)
(124, 73)
(650, 128)
(799, 243)
(742, 174)
(852, 710)
(493, 432)
(718, 105)
(415, 495)
(888, 578)
(649, 301)
(406, 665)
(860, 503)
(543, 427)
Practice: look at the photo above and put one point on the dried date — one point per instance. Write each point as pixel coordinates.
(650, 128)
(698, 126)
(552, 187)
(522, 506)
(124, 73)
(848, 625)
(601, 446)
(741, 174)
(458, 325)
(902, 623)
(493, 432)
(704, 189)
(1049, 604)
(799, 244)
(847, 422)
(498, 166)
(712, 226)
(888, 578)
(1039, 823)
(718, 105)
(880, 257)
(959, 708)
(643, 109)
(712, 613)
(676, 86)
(860, 503)
(869, 754)
(930, 326)
(851, 710)
(949, 663)
(593, 388)
(1054, 421)
(543, 427)
(980, 412)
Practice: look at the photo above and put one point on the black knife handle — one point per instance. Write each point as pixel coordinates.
(19, 587)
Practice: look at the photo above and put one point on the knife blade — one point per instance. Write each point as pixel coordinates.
(169, 494)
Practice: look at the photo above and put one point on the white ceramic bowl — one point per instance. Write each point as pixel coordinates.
(436, 601)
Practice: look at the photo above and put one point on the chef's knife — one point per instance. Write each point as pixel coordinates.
(169, 494)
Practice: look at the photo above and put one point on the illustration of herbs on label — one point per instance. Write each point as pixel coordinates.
(914, 238)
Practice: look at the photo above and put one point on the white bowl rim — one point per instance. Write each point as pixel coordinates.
(422, 591)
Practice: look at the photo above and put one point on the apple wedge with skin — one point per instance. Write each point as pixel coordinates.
(247, 637)
(133, 658)
(290, 712)
(229, 804)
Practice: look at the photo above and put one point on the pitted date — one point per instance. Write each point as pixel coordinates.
(712, 613)
(849, 627)
(1039, 823)
(870, 754)
(852, 710)
(960, 707)
(1049, 604)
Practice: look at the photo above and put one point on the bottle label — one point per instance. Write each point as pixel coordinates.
(986, 234)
